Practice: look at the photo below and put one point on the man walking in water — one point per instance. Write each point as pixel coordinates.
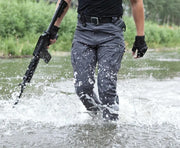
(99, 40)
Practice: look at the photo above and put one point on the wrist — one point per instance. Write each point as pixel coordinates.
(139, 40)
(140, 33)
(139, 37)
(54, 29)
(53, 32)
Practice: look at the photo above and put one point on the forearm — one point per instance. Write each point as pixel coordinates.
(58, 21)
(138, 14)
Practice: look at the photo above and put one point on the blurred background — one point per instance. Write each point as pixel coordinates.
(22, 21)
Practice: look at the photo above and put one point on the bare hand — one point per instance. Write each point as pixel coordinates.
(52, 41)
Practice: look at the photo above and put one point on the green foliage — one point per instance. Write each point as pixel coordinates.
(160, 11)
(23, 21)
(130, 33)
(19, 17)
(156, 35)
(163, 11)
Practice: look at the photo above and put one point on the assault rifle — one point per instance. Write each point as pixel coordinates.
(40, 51)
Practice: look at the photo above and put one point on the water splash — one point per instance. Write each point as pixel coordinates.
(147, 102)
(58, 115)
(150, 101)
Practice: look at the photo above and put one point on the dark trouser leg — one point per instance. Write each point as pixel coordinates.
(84, 61)
(109, 60)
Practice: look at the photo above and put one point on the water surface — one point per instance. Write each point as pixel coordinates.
(50, 114)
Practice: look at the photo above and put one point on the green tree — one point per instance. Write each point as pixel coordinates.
(163, 11)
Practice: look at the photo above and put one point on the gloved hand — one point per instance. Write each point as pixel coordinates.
(140, 46)
(53, 34)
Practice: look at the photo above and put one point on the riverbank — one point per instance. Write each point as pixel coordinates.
(53, 53)
(68, 53)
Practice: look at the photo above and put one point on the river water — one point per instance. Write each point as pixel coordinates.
(50, 114)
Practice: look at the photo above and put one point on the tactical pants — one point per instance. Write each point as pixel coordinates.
(102, 46)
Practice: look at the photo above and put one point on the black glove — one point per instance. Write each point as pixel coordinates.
(140, 45)
(53, 32)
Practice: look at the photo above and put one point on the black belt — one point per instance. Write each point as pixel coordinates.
(98, 20)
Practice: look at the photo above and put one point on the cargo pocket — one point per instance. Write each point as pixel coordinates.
(120, 24)
(117, 56)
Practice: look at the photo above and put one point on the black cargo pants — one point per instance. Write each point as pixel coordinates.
(102, 46)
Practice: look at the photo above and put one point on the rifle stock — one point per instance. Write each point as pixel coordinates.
(41, 51)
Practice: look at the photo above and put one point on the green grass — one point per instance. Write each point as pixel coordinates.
(156, 36)
(23, 21)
